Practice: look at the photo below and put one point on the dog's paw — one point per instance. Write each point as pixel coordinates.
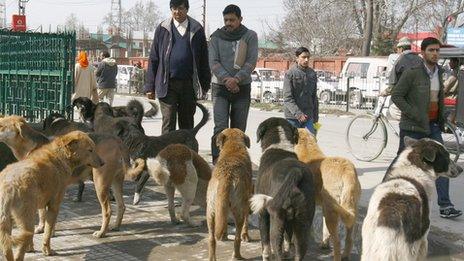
(99, 234)
(237, 257)
(47, 251)
(114, 228)
(136, 199)
(30, 248)
(245, 237)
(39, 230)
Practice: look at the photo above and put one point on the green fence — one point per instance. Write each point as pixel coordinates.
(36, 73)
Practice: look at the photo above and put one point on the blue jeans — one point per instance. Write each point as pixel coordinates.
(442, 183)
(309, 125)
(228, 112)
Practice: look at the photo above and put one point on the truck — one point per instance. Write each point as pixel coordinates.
(364, 76)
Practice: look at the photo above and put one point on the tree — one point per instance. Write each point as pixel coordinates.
(71, 23)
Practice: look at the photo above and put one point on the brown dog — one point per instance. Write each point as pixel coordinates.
(340, 191)
(230, 187)
(179, 167)
(22, 140)
(40, 182)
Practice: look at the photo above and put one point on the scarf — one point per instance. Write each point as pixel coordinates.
(230, 36)
(82, 59)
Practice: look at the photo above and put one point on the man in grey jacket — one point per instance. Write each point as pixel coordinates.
(301, 106)
(231, 82)
(106, 77)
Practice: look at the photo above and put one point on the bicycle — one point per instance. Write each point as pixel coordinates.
(367, 136)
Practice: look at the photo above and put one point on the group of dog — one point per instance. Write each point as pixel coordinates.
(294, 176)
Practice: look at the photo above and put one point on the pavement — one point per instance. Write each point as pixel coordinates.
(147, 234)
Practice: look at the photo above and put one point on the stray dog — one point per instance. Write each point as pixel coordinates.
(143, 146)
(284, 191)
(397, 221)
(340, 191)
(23, 140)
(230, 187)
(40, 182)
(179, 167)
(86, 109)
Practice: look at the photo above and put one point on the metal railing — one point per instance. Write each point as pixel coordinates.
(36, 73)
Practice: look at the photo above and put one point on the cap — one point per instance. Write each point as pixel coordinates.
(404, 41)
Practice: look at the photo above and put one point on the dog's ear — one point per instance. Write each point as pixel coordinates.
(18, 126)
(247, 140)
(408, 141)
(220, 139)
(262, 128)
(429, 154)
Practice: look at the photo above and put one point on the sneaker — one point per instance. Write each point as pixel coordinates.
(450, 212)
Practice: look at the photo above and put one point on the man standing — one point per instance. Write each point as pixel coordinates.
(301, 106)
(233, 55)
(106, 77)
(419, 96)
(178, 70)
(404, 59)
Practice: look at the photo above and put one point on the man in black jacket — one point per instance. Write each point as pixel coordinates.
(106, 77)
(178, 69)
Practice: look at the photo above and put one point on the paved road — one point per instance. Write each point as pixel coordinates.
(146, 233)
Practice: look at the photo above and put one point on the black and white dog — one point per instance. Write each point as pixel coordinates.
(284, 191)
(397, 221)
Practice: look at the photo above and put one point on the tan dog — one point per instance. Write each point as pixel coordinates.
(40, 182)
(231, 188)
(22, 140)
(340, 191)
(178, 167)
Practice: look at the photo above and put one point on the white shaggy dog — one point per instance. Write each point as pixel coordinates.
(397, 221)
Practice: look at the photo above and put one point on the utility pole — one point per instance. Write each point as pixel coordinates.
(22, 7)
(115, 21)
(204, 14)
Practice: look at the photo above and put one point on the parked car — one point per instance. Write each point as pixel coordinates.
(267, 85)
(366, 76)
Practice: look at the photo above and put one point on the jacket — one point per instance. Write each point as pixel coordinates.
(85, 84)
(222, 56)
(412, 96)
(300, 93)
(106, 74)
(158, 64)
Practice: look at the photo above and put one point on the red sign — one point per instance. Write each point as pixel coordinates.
(19, 23)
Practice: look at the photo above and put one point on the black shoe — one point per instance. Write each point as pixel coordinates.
(450, 212)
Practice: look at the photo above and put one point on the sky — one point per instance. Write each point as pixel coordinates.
(50, 13)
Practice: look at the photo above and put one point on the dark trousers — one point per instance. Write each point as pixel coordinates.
(180, 102)
(442, 183)
(232, 108)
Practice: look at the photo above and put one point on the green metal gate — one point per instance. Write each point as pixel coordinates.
(36, 73)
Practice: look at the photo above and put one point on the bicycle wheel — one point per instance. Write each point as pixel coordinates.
(451, 141)
(366, 137)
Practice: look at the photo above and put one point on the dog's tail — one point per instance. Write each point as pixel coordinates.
(135, 169)
(157, 171)
(135, 109)
(350, 196)
(222, 208)
(153, 111)
(285, 197)
(204, 120)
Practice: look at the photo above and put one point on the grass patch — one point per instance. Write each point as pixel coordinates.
(268, 106)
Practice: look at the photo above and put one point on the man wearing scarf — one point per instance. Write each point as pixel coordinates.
(85, 84)
(233, 54)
